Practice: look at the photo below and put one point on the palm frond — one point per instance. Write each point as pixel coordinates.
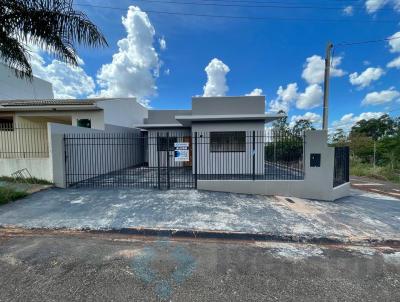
(53, 25)
(14, 55)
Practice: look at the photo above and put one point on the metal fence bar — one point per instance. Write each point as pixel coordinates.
(341, 173)
(23, 142)
(146, 159)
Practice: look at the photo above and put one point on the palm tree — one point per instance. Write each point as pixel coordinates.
(53, 25)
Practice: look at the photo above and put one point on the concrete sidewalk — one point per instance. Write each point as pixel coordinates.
(361, 217)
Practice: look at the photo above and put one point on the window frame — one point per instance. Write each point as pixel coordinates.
(6, 126)
(162, 143)
(229, 146)
(84, 119)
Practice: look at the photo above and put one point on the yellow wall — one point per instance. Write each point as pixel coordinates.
(29, 139)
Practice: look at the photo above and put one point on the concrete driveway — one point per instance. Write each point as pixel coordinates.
(359, 217)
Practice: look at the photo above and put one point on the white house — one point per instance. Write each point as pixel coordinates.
(226, 122)
(25, 140)
(89, 113)
(14, 88)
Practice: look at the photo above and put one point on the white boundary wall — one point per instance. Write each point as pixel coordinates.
(87, 153)
(317, 183)
(37, 167)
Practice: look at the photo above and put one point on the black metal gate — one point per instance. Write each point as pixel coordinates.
(150, 159)
(341, 166)
(140, 159)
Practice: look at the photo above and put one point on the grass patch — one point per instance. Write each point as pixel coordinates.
(9, 194)
(32, 180)
(379, 172)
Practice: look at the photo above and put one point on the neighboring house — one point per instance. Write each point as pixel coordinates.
(89, 113)
(227, 122)
(12, 87)
(25, 137)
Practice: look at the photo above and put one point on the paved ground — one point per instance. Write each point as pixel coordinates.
(376, 186)
(178, 178)
(87, 268)
(359, 217)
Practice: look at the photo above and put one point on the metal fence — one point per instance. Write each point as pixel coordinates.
(23, 142)
(148, 159)
(143, 160)
(267, 155)
(341, 166)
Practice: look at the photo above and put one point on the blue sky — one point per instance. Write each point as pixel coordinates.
(264, 54)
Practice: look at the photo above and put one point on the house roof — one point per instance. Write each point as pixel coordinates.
(156, 126)
(50, 104)
(186, 120)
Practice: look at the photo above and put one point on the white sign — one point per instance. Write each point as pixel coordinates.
(181, 152)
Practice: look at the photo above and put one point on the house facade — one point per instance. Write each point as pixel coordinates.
(226, 122)
(88, 113)
(25, 137)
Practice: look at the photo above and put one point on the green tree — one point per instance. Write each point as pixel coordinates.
(282, 123)
(375, 128)
(361, 146)
(301, 126)
(53, 25)
(339, 138)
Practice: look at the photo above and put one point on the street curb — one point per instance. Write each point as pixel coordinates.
(210, 234)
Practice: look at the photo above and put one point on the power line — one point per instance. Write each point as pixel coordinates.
(277, 6)
(367, 41)
(242, 17)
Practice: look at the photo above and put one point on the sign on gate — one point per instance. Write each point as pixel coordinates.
(181, 151)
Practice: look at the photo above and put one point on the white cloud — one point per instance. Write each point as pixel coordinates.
(167, 71)
(382, 97)
(255, 92)
(373, 5)
(348, 120)
(366, 77)
(216, 78)
(394, 63)
(310, 98)
(284, 98)
(314, 69)
(394, 42)
(163, 43)
(135, 67)
(348, 11)
(309, 116)
(366, 63)
(68, 82)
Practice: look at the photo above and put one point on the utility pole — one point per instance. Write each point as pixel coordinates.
(329, 47)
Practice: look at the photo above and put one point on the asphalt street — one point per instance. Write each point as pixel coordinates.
(105, 267)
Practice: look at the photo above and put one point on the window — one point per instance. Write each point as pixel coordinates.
(234, 141)
(6, 123)
(166, 143)
(85, 123)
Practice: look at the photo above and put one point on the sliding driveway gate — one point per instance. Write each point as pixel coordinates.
(168, 160)
(127, 160)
